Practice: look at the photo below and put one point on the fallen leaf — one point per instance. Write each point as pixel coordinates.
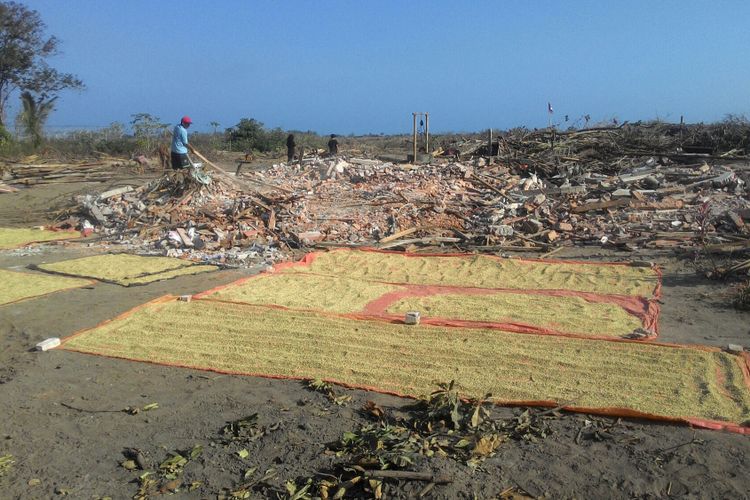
(487, 445)
(243, 453)
(172, 486)
(196, 451)
(129, 465)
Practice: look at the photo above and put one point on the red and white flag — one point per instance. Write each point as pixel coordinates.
(549, 108)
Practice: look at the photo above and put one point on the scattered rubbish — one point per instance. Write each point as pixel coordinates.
(48, 344)
(412, 318)
(735, 349)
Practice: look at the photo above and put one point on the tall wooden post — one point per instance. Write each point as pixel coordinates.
(489, 145)
(427, 132)
(414, 160)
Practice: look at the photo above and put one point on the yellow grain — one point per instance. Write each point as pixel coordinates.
(484, 272)
(126, 269)
(669, 381)
(19, 286)
(17, 237)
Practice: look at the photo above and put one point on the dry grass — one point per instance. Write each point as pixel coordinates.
(14, 238)
(563, 314)
(485, 272)
(125, 269)
(20, 286)
(677, 382)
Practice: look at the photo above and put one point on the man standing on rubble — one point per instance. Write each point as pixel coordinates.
(290, 145)
(333, 146)
(180, 144)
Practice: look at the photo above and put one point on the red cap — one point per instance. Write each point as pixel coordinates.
(186, 119)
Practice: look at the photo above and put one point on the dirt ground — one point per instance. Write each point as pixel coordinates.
(60, 418)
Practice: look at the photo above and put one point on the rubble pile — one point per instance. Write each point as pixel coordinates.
(179, 214)
(32, 171)
(529, 192)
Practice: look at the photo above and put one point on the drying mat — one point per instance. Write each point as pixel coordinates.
(21, 286)
(574, 313)
(15, 238)
(700, 385)
(483, 271)
(125, 269)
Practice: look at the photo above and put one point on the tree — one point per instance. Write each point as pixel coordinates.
(147, 129)
(215, 125)
(250, 134)
(34, 115)
(24, 48)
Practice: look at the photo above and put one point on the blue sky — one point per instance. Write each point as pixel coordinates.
(356, 66)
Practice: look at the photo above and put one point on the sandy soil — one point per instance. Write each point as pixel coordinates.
(59, 413)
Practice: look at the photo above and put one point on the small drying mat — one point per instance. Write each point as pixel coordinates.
(125, 269)
(574, 313)
(483, 271)
(21, 286)
(683, 383)
(302, 291)
(19, 237)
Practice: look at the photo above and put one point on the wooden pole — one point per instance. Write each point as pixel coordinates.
(414, 128)
(427, 132)
(489, 151)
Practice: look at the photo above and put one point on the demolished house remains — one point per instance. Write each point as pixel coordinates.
(628, 187)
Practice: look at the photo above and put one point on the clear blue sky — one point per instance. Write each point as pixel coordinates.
(364, 66)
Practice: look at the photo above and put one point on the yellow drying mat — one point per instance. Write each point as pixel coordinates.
(20, 286)
(662, 380)
(14, 238)
(304, 291)
(484, 272)
(561, 314)
(566, 314)
(125, 269)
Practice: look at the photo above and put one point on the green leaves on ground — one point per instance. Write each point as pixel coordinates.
(246, 429)
(168, 477)
(296, 492)
(326, 388)
(6, 461)
(244, 490)
(134, 410)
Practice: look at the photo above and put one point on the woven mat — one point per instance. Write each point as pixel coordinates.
(530, 313)
(612, 377)
(483, 271)
(588, 299)
(16, 238)
(125, 269)
(21, 286)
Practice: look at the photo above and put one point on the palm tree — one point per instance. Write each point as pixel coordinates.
(34, 115)
(215, 125)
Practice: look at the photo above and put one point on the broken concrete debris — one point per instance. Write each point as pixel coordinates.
(590, 187)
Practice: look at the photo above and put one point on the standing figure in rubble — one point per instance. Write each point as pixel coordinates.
(290, 145)
(180, 146)
(333, 146)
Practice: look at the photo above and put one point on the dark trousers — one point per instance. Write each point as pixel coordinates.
(179, 160)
